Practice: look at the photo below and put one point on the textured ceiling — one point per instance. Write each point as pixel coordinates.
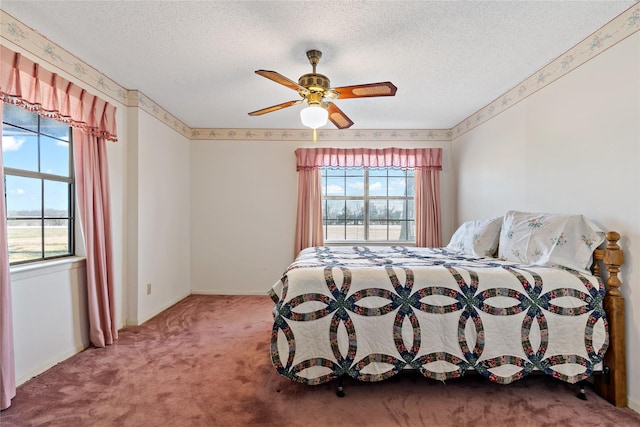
(197, 58)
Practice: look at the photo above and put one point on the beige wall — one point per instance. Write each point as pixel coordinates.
(163, 215)
(243, 210)
(572, 147)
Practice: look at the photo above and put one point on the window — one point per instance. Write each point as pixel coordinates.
(38, 185)
(368, 204)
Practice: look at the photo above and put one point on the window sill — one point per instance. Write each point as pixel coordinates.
(25, 271)
(367, 243)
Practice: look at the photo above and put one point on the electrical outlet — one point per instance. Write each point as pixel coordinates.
(148, 288)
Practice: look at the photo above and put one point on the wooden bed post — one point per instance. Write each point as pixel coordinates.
(612, 385)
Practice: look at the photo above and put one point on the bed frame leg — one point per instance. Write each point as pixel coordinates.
(340, 392)
(613, 385)
(581, 394)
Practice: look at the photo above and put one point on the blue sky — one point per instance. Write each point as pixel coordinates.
(20, 150)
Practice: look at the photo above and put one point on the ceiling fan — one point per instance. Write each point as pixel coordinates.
(314, 88)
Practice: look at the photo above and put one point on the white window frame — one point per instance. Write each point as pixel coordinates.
(69, 179)
(366, 198)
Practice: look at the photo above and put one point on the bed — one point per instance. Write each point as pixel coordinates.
(506, 297)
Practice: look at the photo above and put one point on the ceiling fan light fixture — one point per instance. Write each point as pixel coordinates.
(314, 116)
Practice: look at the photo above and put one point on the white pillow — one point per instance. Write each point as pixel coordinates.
(549, 239)
(477, 238)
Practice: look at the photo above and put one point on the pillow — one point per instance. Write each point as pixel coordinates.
(477, 238)
(549, 239)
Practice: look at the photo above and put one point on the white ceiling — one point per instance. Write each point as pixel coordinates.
(197, 58)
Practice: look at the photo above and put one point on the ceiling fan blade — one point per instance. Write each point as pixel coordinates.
(279, 78)
(275, 107)
(366, 90)
(337, 117)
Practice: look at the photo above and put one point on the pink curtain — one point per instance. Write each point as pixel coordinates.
(92, 194)
(309, 219)
(404, 158)
(427, 162)
(428, 225)
(7, 363)
(24, 83)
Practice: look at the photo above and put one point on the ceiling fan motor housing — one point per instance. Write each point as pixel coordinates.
(315, 82)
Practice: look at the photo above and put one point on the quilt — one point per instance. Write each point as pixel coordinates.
(371, 311)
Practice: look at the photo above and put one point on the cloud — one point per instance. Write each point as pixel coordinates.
(331, 189)
(17, 192)
(375, 186)
(10, 143)
(357, 185)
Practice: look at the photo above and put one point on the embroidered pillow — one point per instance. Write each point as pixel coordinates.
(549, 239)
(477, 238)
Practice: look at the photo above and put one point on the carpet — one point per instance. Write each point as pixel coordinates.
(205, 362)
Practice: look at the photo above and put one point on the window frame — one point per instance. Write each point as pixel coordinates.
(367, 198)
(44, 177)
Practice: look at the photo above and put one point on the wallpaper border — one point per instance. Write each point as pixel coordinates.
(46, 51)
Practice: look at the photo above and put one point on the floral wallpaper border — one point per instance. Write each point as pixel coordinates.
(621, 27)
(45, 51)
(323, 134)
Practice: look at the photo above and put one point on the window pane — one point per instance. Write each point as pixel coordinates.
(355, 186)
(24, 196)
(377, 186)
(56, 199)
(335, 209)
(402, 230)
(54, 156)
(397, 172)
(355, 210)
(333, 172)
(377, 210)
(353, 172)
(378, 230)
(354, 231)
(411, 185)
(54, 128)
(411, 210)
(335, 232)
(25, 240)
(388, 198)
(377, 172)
(19, 148)
(397, 210)
(19, 117)
(397, 186)
(56, 237)
(335, 187)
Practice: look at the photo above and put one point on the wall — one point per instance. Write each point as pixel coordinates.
(243, 210)
(149, 178)
(572, 147)
(49, 316)
(163, 213)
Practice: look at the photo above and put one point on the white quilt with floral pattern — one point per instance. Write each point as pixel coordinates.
(369, 312)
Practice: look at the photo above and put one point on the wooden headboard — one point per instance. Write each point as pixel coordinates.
(612, 385)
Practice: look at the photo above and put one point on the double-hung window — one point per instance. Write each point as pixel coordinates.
(38, 185)
(368, 205)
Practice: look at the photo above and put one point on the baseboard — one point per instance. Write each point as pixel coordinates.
(210, 292)
(632, 404)
(32, 373)
(157, 311)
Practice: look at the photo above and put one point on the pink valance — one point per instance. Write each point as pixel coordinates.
(404, 158)
(23, 82)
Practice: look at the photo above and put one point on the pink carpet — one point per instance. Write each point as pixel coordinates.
(205, 362)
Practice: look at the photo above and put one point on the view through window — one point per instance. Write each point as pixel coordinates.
(38, 185)
(368, 204)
